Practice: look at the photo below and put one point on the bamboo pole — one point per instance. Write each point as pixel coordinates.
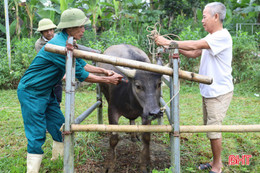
(164, 128)
(218, 128)
(175, 109)
(120, 128)
(68, 160)
(130, 63)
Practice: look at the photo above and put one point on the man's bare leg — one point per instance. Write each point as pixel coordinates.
(216, 147)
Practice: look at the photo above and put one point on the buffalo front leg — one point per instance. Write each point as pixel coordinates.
(113, 117)
(134, 136)
(145, 154)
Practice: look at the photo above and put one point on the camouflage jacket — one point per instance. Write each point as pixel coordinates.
(40, 43)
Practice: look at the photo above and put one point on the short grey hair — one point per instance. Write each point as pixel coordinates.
(217, 8)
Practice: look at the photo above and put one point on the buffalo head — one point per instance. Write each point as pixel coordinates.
(146, 88)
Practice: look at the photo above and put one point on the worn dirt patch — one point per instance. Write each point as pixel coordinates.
(127, 153)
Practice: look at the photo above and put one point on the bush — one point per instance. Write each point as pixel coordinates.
(246, 62)
(22, 54)
(111, 37)
(4, 72)
(188, 33)
(107, 39)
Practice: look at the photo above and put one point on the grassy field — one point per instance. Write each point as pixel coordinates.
(195, 148)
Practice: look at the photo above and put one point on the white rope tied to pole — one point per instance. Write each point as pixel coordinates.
(164, 107)
(154, 33)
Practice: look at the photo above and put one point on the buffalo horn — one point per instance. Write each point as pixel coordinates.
(128, 72)
(167, 65)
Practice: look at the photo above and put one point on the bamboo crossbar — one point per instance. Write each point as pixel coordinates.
(129, 63)
(164, 128)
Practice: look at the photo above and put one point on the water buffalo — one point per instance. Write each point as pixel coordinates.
(137, 97)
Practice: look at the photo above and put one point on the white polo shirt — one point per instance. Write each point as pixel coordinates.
(216, 62)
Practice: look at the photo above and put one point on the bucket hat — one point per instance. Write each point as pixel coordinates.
(45, 24)
(72, 18)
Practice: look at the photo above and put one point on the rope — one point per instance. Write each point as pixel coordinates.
(154, 32)
(150, 37)
(164, 107)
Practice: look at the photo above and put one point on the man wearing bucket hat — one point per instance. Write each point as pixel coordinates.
(46, 28)
(40, 109)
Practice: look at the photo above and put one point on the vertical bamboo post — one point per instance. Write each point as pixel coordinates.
(171, 114)
(159, 60)
(174, 112)
(98, 96)
(176, 125)
(69, 112)
(171, 118)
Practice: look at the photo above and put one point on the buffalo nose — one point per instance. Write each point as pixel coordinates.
(155, 112)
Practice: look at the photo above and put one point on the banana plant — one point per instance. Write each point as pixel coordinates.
(30, 7)
(65, 4)
(113, 11)
(93, 9)
(17, 28)
(49, 9)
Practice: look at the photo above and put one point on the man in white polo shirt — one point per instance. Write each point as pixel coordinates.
(216, 56)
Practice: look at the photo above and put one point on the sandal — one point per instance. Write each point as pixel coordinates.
(204, 166)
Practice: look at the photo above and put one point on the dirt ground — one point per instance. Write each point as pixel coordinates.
(127, 153)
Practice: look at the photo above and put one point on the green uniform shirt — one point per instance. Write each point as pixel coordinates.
(47, 69)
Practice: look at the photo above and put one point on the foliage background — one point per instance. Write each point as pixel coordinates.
(115, 22)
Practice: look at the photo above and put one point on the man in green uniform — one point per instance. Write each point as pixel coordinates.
(46, 28)
(40, 109)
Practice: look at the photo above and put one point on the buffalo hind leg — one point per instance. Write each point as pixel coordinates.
(113, 117)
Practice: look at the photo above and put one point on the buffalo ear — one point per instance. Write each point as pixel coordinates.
(128, 72)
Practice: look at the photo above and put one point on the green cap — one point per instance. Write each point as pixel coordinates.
(72, 18)
(45, 24)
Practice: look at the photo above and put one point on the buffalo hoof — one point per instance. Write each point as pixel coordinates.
(110, 166)
(110, 169)
(145, 170)
(135, 138)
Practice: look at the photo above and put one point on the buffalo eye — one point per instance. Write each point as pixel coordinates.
(138, 86)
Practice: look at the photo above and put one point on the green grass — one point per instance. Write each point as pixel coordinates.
(195, 148)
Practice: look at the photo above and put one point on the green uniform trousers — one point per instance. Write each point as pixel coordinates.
(40, 113)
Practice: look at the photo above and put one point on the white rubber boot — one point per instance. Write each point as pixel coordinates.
(57, 150)
(33, 162)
